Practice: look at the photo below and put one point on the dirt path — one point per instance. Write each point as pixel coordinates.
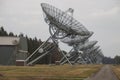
(105, 73)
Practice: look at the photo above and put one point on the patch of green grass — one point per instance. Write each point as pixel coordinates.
(46, 72)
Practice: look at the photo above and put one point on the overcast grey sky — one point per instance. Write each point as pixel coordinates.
(100, 16)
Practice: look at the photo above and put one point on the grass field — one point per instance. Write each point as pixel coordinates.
(116, 69)
(47, 72)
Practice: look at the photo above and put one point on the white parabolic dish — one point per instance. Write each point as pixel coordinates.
(63, 21)
(76, 39)
(87, 45)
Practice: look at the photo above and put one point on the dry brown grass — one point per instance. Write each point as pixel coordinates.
(116, 69)
(46, 72)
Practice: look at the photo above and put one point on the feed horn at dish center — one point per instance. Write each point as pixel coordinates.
(63, 27)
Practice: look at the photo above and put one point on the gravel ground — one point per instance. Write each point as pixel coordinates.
(105, 73)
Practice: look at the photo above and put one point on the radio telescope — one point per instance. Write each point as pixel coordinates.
(84, 48)
(94, 54)
(87, 45)
(79, 54)
(79, 43)
(89, 52)
(62, 26)
(75, 39)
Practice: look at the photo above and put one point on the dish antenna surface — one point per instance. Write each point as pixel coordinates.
(76, 39)
(61, 22)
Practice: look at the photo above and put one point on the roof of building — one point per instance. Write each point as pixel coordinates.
(9, 40)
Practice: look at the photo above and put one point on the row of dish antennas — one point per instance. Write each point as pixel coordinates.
(63, 27)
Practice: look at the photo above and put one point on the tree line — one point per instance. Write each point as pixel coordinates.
(33, 44)
(109, 60)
